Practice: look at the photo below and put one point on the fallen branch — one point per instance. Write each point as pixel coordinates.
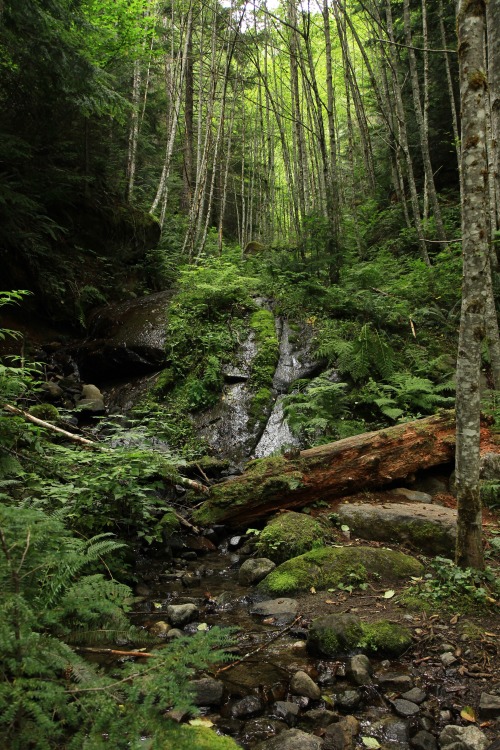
(49, 426)
(112, 651)
(259, 648)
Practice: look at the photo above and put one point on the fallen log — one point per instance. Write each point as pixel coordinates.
(332, 471)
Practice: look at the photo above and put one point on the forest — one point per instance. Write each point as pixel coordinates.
(250, 276)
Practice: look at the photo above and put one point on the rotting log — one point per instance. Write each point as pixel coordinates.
(332, 471)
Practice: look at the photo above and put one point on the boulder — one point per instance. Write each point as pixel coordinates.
(333, 635)
(181, 614)
(328, 566)
(429, 528)
(126, 338)
(282, 609)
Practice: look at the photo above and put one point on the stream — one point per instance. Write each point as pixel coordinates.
(253, 701)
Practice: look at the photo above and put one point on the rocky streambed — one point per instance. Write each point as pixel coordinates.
(298, 680)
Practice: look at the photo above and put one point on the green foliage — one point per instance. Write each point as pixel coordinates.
(367, 353)
(314, 410)
(464, 588)
(407, 396)
(49, 696)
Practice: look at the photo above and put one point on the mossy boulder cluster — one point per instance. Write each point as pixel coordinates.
(290, 534)
(335, 635)
(329, 567)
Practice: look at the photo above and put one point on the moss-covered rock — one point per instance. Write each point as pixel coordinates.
(186, 738)
(290, 534)
(48, 412)
(328, 567)
(334, 635)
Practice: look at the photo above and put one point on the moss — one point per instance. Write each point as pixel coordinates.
(264, 362)
(328, 567)
(490, 493)
(48, 412)
(288, 535)
(385, 637)
(165, 381)
(431, 538)
(186, 738)
(260, 405)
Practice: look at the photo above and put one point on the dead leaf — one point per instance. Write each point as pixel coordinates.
(454, 619)
(389, 594)
(467, 714)
(201, 722)
(312, 590)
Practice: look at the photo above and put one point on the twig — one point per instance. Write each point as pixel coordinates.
(259, 648)
(184, 522)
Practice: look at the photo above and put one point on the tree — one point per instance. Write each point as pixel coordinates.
(475, 250)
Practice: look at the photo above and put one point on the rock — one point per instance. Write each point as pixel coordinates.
(489, 706)
(392, 730)
(91, 400)
(286, 711)
(52, 391)
(253, 571)
(246, 707)
(429, 528)
(341, 736)
(289, 535)
(413, 496)
(321, 717)
(292, 739)
(447, 659)
(174, 633)
(302, 684)
(159, 629)
(424, 741)
(348, 700)
(333, 635)
(489, 466)
(360, 669)
(207, 691)
(284, 610)
(394, 681)
(327, 567)
(181, 614)
(405, 709)
(415, 695)
(471, 737)
(126, 338)
(199, 544)
(261, 729)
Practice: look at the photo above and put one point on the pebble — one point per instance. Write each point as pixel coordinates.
(423, 741)
(348, 700)
(286, 711)
(489, 706)
(360, 669)
(302, 684)
(395, 681)
(415, 695)
(447, 659)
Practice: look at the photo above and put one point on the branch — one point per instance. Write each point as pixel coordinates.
(113, 651)
(418, 49)
(49, 426)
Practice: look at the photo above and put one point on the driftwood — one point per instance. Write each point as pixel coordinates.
(332, 471)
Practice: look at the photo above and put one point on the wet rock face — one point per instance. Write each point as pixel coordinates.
(127, 338)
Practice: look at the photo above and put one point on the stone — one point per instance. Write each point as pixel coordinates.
(254, 570)
(181, 614)
(246, 707)
(207, 691)
(489, 466)
(415, 695)
(52, 391)
(292, 739)
(174, 633)
(489, 706)
(394, 681)
(360, 669)
(405, 709)
(321, 717)
(289, 535)
(337, 634)
(424, 741)
(159, 629)
(285, 609)
(340, 736)
(471, 737)
(302, 684)
(429, 528)
(261, 728)
(447, 659)
(286, 711)
(348, 700)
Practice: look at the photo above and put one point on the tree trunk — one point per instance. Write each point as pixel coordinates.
(493, 27)
(332, 471)
(473, 93)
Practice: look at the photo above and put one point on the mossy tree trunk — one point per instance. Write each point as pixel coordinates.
(473, 93)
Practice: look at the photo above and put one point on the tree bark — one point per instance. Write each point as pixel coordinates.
(332, 471)
(473, 93)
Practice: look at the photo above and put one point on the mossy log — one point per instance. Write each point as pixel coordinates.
(335, 470)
